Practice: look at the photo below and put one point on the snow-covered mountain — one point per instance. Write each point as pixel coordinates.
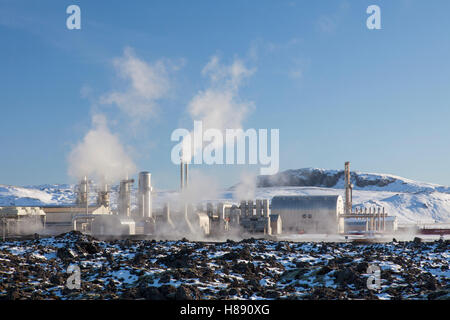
(409, 200)
(36, 195)
(313, 177)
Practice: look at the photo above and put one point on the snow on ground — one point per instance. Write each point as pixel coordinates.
(250, 269)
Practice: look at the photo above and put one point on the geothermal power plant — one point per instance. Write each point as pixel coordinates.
(331, 215)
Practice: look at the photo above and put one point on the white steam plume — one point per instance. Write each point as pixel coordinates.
(147, 84)
(201, 187)
(100, 155)
(246, 189)
(219, 106)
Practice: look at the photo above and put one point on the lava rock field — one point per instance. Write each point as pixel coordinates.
(250, 269)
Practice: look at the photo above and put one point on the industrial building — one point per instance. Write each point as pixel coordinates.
(310, 214)
(64, 219)
(21, 220)
(364, 220)
(369, 220)
(325, 214)
(276, 224)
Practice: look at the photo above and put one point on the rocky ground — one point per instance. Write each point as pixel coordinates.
(249, 269)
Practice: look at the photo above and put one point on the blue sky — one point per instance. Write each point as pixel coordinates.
(335, 90)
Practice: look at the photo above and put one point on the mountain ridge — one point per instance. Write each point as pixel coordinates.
(325, 178)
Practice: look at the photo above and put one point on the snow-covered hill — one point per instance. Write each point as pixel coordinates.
(410, 201)
(418, 207)
(35, 195)
(313, 177)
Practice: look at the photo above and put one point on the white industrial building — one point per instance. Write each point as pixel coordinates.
(310, 214)
(21, 220)
(362, 225)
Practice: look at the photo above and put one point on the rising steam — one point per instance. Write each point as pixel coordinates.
(146, 83)
(219, 106)
(201, 187)
(100, 155)
(246, 189)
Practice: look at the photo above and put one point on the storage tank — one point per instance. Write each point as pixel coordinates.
(145, 195)
(125, 197)
(309, 214)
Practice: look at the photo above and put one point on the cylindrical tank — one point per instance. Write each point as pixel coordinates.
(125, 197)
(309, 214)
(145, 195)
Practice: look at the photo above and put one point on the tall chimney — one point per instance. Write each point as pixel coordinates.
(186, 174)
(145, 195)
(182, 174)
(125, 197)
(348, 189)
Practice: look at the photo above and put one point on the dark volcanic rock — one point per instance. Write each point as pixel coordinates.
(181, 259)
(271, 294)
(346, 276)
(324, 293)
(168, 291)
(187, 293)
(151, 293)
(88, 247)
(324, 270)
(65, 254)
(248, 269)
(243, 254)
(57, 279)
(245, 268)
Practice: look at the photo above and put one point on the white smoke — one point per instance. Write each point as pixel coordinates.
(246, 189)
(147, 83)
(201, 187)
(100, 155)
(219, 106)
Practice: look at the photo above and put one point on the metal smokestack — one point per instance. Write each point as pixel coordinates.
(125, 197)
(186, 175)
(145, 195)
(348, 189)
(182, 174)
